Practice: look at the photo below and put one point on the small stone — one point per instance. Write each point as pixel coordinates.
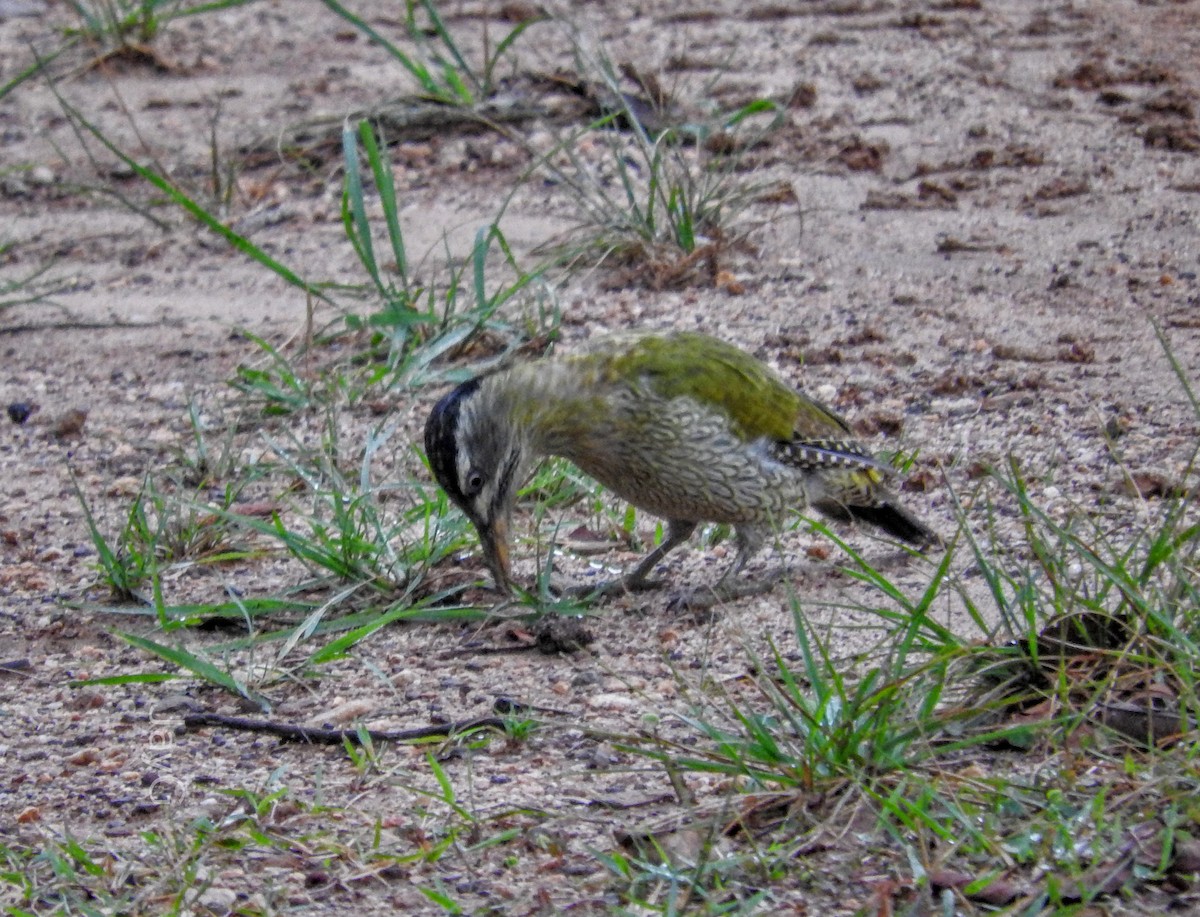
(1116, 427)
(176, 703)
(1148, 484)
(69, 424)
(341, 714)
(127, 486)
(19, 411)
(218, 900)
(519, 11)
(960, 407)
(611, 701)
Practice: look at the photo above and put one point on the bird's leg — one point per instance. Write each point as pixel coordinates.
(678, 531)
(749, 540)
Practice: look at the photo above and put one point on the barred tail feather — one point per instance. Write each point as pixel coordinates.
(827, 453)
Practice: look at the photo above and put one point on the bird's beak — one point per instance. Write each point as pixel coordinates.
(494, 538)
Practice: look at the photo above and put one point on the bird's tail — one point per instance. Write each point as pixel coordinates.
(883, 513)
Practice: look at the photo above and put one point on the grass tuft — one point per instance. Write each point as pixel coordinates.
(658, 191)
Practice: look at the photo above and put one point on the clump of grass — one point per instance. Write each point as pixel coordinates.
(417, 323)
(439, 64)
(182, 515)
(110, 30)
(659, 191)
(122, 21)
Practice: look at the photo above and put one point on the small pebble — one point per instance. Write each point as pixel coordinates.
(69, 424)
(19, 411)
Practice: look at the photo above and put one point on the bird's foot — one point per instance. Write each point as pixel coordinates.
(619, 586)
(704, 598)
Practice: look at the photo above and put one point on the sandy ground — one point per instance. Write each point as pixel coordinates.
(991, 205)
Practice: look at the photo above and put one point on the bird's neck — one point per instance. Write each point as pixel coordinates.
(545, 404)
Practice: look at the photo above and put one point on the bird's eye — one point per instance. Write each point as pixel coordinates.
(474, 482)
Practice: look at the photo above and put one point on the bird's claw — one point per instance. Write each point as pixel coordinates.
(619, 586)
(704, 598)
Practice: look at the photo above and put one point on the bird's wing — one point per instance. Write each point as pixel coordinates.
(754, 398)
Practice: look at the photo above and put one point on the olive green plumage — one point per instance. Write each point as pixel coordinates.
(680, 424)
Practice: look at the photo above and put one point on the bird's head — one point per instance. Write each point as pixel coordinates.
(479, 458)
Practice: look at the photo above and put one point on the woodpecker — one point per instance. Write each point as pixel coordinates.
(680, 424)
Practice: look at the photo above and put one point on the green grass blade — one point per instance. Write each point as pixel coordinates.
(339, 647)
(757, 107)
(179, 12)
(1177, 368)
(460, 90)
(354, 207)
(463, 68)
(385, 186)
(198, 666)
(237, 241)
(418, 71)
(479, 268)
(143, 678)
(37, 67)
(508, 40)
